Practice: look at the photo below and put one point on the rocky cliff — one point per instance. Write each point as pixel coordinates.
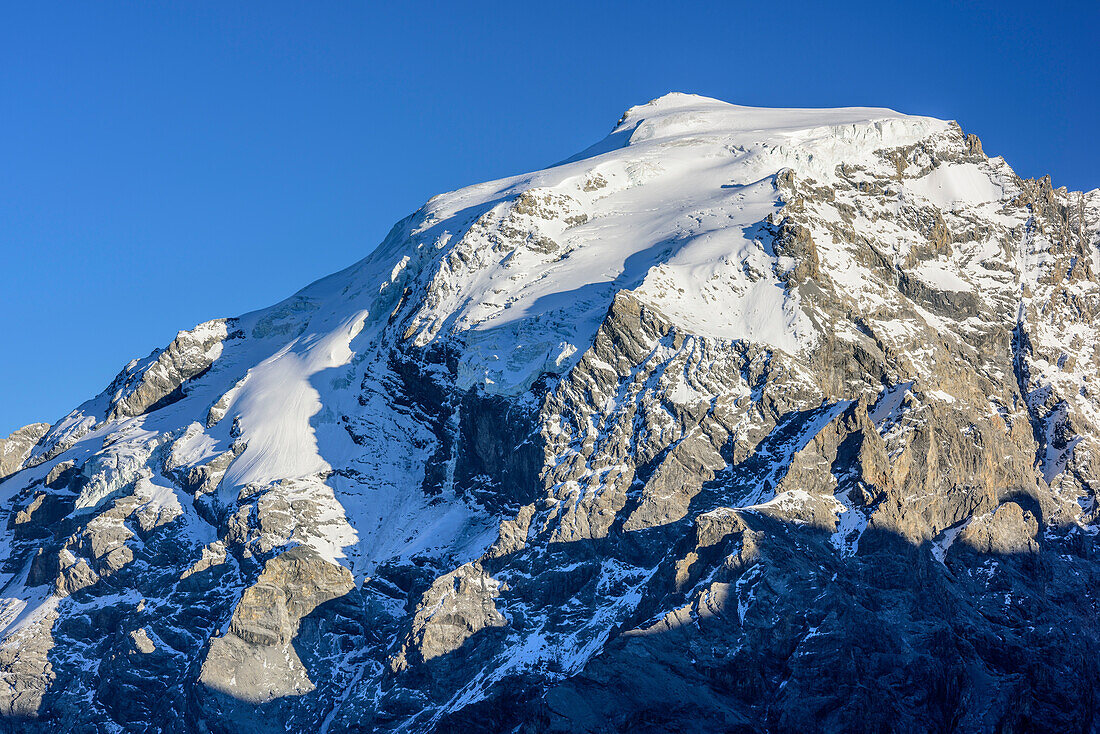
(739, 420)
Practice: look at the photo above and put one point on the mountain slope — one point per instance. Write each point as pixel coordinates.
(739, 419)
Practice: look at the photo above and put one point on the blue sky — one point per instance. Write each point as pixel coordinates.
(168, 163)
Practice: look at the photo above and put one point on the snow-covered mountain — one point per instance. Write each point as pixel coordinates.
(741, 419)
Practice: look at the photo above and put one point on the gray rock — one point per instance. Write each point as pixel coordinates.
(15, 449)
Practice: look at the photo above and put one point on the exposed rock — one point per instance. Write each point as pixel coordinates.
(255, 660)
(1007, 530)
(26, 672)
(15, 449)
(141, 641)
(457, 606)
(159, 381)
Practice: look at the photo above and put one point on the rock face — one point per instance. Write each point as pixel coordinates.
(254, 661)
(17, 446)
(739, 420)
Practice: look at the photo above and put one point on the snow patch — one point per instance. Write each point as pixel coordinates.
(951, 185)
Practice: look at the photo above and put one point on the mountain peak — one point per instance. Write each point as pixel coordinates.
(676, 118)
(688, 113)
(586, 446)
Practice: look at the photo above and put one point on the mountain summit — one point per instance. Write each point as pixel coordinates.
(741, 419)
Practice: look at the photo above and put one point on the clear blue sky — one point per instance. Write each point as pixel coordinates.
(166, 163)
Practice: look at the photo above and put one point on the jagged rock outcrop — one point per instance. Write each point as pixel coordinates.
(160, 380)
(254, 660)
(739, 420)
(17, 446)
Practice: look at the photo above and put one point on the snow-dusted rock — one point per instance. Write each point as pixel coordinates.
(17, 446)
